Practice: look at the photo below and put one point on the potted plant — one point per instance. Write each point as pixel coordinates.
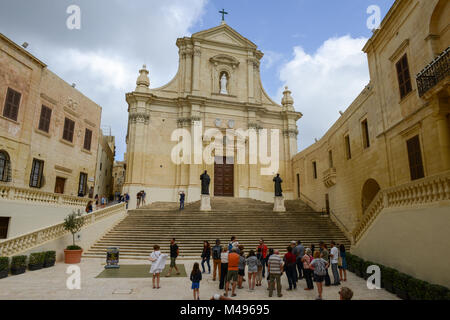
(36, 261)
(401, 285)
(18, 265)
(73, 223)
(4, 267)
(50, 259)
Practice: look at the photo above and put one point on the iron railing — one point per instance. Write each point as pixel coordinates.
(434, 72)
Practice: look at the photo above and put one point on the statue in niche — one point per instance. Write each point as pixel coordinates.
(223, 83)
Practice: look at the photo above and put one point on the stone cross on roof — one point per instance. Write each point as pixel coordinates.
(223, 12)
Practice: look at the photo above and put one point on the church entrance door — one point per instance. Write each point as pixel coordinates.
(224, 176)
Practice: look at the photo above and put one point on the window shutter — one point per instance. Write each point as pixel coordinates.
(415, 158)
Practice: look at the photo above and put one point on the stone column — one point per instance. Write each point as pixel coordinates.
(196, 70)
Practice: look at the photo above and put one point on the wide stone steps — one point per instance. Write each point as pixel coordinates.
(247, 219)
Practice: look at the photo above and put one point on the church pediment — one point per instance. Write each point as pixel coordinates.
(224, 34)
(225, 59)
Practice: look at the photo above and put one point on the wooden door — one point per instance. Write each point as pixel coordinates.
(59, 185)
(224, 177)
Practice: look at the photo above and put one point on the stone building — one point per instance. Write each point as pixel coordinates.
(119, 170)
(390, 150)
(105, 162)
(217, 88)
(48, 129)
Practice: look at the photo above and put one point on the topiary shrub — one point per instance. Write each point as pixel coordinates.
(416, 289)
(50, 259)
(36, 261)
(18, 264)
(435, 292)
(388, 276)
(350, 258)
(401, 285)
(357, 262)
(4, 267)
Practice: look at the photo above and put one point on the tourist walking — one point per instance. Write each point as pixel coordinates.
(334, 258)
(196, 277)
(263, 248)
(261, 263)
(307, 272)
(241, 269)
(216, 253)
(267, 265)
(174, 253)
(232, 274)
(89, 207)
(289, 266)
(325, 256)
(233, 244)
(127, 199)
(206, 256)
(182, 197)
(313, 249)
(223, 267)
(158, 263)
(275, 265)
(342, 264)
(252, 268)
(319, 265)
(138, 199)
(143, 195)
(299, 252)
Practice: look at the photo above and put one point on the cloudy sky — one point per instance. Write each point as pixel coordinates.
(314, 47)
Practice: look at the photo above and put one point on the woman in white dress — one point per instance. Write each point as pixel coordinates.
(158, 263)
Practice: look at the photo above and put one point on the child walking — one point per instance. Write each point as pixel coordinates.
(158, 262)
(196, 277)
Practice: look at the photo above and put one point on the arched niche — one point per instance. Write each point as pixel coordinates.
(369, 191)
(439, 31)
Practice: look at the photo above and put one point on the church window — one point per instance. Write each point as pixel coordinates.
(415, 158)
(37, 170)
(404, 78)
(44, 120)
(365, 132)
(11, 109)
(69, 126)
(314, 169)
(348, 151)
(5, 167)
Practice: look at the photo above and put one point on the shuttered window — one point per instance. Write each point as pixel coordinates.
(69, 127)
(404, 78)
(365, 132)
(44, 120)
(12, 102)
(415, 158)
(82, 184)
(87, 139)
(314, 169)
(37, 170)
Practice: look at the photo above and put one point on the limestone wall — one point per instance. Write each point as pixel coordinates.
(412, 240)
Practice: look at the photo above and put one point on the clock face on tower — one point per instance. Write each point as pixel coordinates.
(231, 124)
(218, 122)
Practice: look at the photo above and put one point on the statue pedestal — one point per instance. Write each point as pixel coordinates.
(206, 202)
(279, 205)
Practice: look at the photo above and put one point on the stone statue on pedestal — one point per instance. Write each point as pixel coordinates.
(277, 181)
(205, 182)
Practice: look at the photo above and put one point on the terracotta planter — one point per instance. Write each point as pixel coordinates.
(72, 256)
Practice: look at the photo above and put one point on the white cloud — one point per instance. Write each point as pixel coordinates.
(324, 83)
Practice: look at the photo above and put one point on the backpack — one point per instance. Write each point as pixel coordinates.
(216, 252)
(230, 246)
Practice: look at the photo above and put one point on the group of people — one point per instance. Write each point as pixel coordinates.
(140, 199)
(300, 262)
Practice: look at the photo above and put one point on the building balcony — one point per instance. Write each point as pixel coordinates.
(329, 177)
(434, 74)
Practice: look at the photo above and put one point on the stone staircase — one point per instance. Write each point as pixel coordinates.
(247, 219)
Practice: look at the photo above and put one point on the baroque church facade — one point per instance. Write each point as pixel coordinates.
(217, 87)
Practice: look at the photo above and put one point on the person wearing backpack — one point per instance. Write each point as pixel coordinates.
(319, 266)
(216, 252)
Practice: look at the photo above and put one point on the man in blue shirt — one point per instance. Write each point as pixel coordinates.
(182, 196)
